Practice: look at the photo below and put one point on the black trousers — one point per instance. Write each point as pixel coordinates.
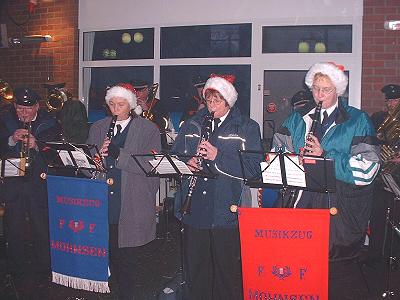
(346, 281)
(212, 264)
(122, 265)
(25, 198)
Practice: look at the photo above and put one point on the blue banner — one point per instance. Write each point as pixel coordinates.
(78, 219)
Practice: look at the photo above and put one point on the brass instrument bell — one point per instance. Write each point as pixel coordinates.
(6, 91)
(56, 99)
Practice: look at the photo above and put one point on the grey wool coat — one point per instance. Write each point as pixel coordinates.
(137, 222)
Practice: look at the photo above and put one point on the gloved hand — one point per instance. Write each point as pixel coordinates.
(113, 150)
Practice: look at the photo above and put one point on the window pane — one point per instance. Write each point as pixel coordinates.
(232, 40)
(304, 39)
(119, 44)
(101, 78)
(180, 96)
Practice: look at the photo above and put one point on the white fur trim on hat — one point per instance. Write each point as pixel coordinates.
(224, 87)
(119, 91)
(338, 77)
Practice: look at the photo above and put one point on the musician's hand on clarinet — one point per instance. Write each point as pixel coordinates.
(313, 147)
(207, 150)
(104, 148)
(193, 164)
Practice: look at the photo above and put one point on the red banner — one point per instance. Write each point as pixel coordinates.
(284, 253)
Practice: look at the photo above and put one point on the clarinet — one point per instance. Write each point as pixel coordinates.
(315, 120)
(99, 159)
(206, 131)
(110, 132)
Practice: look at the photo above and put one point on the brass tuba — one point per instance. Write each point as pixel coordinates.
(6, 91)
(55, 101)
(389, 133)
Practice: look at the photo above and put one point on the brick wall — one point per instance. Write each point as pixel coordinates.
(381, 52)
(34, 64)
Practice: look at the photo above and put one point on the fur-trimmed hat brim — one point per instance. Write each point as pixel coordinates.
(121, 92)
(337, 76)
(224, 87)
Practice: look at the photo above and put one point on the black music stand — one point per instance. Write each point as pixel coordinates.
(67, 159)
(11, 167)
(391, 211)
(290, 171)
(173, 166)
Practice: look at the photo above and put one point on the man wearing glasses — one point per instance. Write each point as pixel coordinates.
(26, 128)
(211, 237)
(346, 135)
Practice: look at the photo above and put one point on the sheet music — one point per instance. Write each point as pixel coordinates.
(11, 167)
(163, 166)
(271, 171)
(79, 156)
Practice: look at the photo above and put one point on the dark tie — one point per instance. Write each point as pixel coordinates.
(216, 122)
(325, 119)
(119, 128)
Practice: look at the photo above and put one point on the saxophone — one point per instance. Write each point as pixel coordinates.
(206, 131)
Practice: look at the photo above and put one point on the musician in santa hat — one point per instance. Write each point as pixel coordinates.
(211, 237)
(132, 196)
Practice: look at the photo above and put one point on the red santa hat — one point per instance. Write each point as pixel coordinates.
(224, 85)
(333, 71)
(126, 91)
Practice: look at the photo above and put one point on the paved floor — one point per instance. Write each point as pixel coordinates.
(159, 268)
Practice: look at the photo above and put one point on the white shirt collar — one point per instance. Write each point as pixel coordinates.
(123, 124)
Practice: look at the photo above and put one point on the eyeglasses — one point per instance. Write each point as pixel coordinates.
(215, 98)
(215, 101)
(325, 90)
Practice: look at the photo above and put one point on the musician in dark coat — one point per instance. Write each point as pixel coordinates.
(132, 196)
(378, 245)
(25, 128)
(392, 97)
(211, 237)
(153, 108)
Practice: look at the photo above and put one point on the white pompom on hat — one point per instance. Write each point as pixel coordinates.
(224, 85)
(126, 91)
(333, 71)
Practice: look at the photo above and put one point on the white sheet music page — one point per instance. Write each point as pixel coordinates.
(79, 156)
(295, 175)
(271, 170)
(11, 167)
(163, 165)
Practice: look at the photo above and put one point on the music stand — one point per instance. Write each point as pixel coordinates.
(11, 167)
(172, 166)
(286, 170)
(69, 159)
(392, 187)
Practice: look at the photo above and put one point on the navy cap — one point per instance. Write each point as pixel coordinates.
(139, 84)
(199, 81)
(25, 96)
(391, 91)
(301, 98)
